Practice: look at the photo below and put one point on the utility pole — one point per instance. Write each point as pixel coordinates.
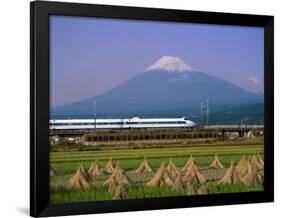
(207, 112)
(241, 129)
(204, 109)
(95, 115)
(201, 113)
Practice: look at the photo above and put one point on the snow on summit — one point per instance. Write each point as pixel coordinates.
(171, 64)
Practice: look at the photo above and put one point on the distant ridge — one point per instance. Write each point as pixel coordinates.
(169, 86)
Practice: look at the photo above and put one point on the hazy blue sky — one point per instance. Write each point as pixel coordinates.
(89, 56)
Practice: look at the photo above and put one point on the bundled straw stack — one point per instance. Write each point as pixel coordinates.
(203, 190)
(241, 167)
(245, 172)
(191, 190)
(120, 193)
(81, 179)
(95, 169)
(252, 177)
(109, 167)
(216, 164)
(144, 167)
(172, 177)
(260, 160)
(118, 183)
(172, 170)
(257, 163)
(160, 178)
(231, 176)
(192, 175)
(189, 162)
(178, 184)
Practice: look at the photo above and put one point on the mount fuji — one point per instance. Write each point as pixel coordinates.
(168, 87)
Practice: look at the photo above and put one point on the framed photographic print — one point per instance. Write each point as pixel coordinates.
(140, 109)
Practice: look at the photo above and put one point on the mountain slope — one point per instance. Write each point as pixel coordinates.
(167, 87)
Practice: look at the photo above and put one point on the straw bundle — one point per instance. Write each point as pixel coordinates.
(144, 167)
(204, 190)
(255, 163)
(120, 193)
(109, 167)
(192, 175)
(260, 160)
(117, 178)
(242, 165)
(178, 184)
(81, 179)
(252, 178)
(121, 175)
(85, 173)
(172, 170)
(191, 190)
(189, 162)
(231, 176)
(216, 164)
(95, 169)
(160, 178)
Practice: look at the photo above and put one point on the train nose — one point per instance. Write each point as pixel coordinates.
(193, 124)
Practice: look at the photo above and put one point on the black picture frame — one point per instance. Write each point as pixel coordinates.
(39, 107)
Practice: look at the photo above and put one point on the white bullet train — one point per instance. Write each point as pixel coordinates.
(135, 122)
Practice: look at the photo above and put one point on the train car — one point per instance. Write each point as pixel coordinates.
(135, 122)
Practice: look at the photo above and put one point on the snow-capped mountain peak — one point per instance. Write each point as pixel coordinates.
(171, 64)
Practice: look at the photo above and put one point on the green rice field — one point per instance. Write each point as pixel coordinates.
(65, 164)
